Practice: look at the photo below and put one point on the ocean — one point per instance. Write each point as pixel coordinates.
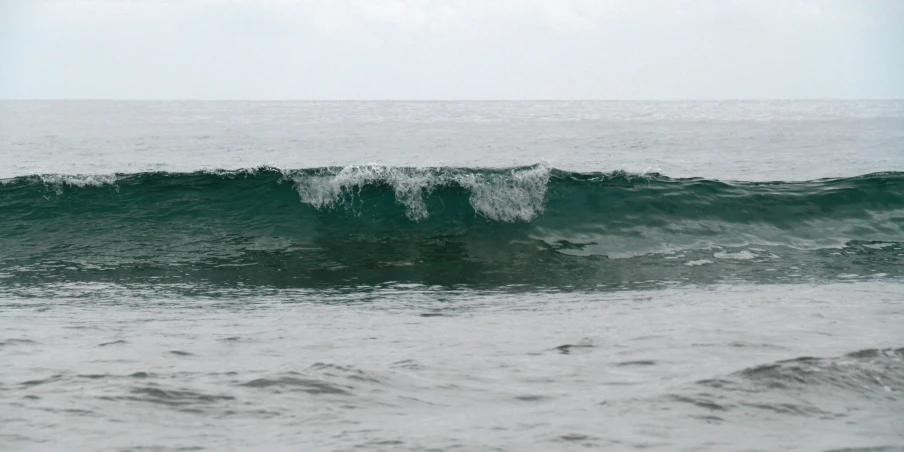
(510, 276)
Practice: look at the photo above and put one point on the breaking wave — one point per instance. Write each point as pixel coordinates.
(372, 224)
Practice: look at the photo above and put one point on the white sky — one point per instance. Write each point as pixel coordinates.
(451, 49)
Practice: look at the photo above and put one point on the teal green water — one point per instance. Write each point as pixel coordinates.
(509, 276)
(535, 226)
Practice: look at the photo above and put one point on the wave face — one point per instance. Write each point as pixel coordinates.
(821, 388)
(447, 226)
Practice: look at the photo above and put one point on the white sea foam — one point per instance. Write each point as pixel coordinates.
(508, 196)
(878, 246)
(517, 195)
(58, 181)
(410, 186)
(741, 255)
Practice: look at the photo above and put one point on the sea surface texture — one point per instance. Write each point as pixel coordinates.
(505, 276)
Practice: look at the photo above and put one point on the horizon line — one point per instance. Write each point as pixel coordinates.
(726, 99)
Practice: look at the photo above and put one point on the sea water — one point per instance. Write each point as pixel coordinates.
(452, 275)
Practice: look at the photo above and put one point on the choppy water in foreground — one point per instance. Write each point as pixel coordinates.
(452, 275)
(97, 367)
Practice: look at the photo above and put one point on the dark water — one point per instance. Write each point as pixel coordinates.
(452, 275)
(445, 226)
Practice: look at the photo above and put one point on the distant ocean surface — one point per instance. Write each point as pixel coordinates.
(452, 275)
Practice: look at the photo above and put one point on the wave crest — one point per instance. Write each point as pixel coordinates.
(375, 223)
(509, 195)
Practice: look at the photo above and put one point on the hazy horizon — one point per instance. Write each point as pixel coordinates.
(776, 99)
(451, 50)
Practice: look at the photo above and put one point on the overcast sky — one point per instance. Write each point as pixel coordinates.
(451, 49)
